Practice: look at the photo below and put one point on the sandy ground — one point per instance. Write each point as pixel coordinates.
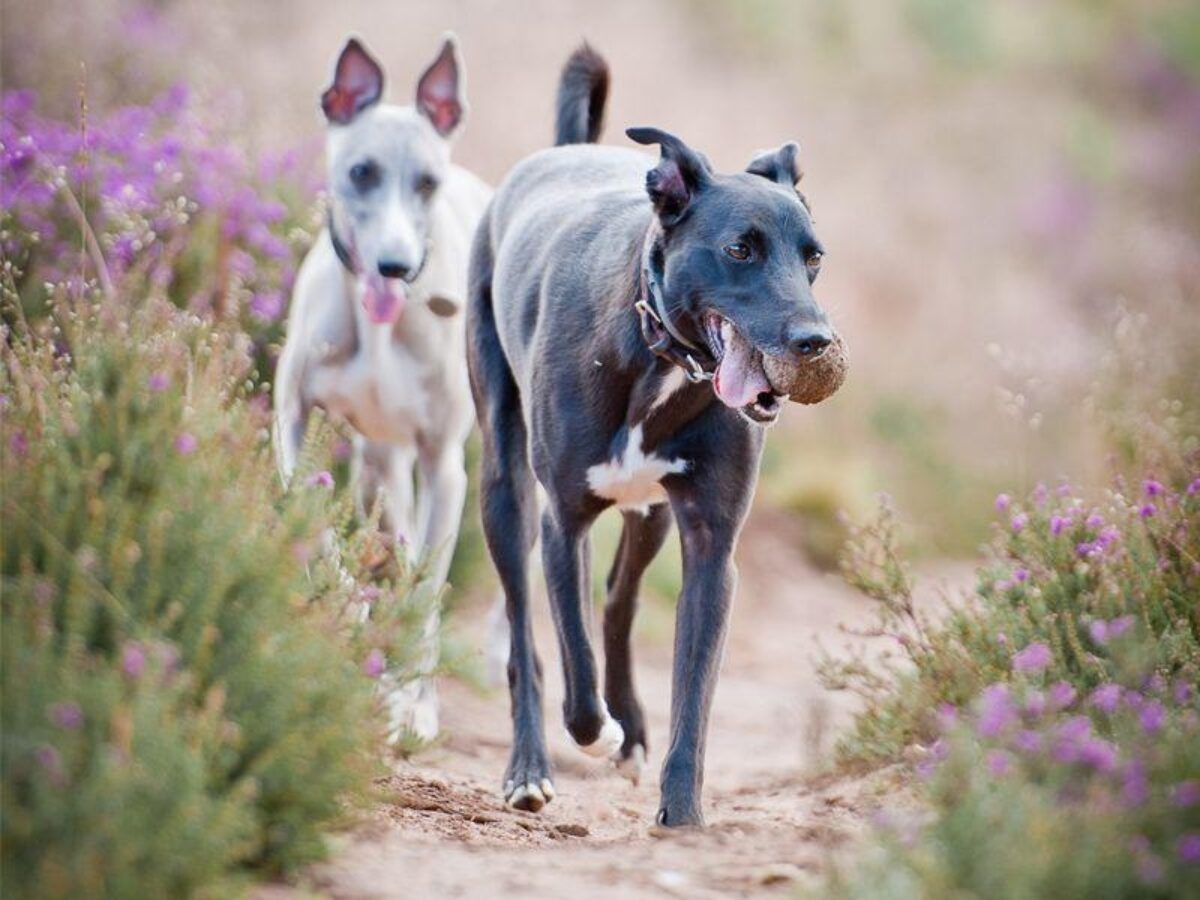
(774, 820)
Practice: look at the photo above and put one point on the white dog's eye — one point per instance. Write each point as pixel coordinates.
(364, 175)
(426, 185)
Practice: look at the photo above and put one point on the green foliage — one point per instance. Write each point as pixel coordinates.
(184, 699)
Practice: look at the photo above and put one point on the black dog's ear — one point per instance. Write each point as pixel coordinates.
(778, 165)
(441, 92)
(357, 84)
(680, 173)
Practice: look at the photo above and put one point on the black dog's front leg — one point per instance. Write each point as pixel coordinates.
(710, 504)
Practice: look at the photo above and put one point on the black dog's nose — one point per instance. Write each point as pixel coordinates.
(393, 270)
(809, 341)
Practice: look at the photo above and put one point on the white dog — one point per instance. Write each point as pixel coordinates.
(376, 329)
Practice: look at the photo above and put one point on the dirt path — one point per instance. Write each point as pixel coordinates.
(441, 830)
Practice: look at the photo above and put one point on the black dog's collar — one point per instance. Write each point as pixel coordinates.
(660, 334)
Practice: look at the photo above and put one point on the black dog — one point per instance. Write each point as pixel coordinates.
(616, 325)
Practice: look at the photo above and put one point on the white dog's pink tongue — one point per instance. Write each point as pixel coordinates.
(739, 378)
(383, 299)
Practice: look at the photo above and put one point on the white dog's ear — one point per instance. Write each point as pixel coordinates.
(357, 84)
(441, 92)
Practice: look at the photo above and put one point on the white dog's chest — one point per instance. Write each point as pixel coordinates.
(385, 396)
(633, 479)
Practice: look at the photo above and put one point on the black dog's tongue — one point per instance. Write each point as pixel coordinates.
(740, 377)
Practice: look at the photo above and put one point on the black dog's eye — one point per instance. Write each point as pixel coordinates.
(364, 175)
(738, 251)
(426, 185)
(814, 260)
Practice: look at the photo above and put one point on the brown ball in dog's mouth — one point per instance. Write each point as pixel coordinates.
(809, 380)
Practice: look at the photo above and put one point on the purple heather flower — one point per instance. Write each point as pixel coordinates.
(1135, 789)
(158, 382)
(1028, 741)
(1086, 549)
(1148, 511)
(1188, 847)
(1071, 737)
(1098, 753)
(375, 663)
(1021, 575)
(1061, 695)
(267, 307)
(1107, 697)
(947, 716)
(1183, 692)
(996, 710)
(1019, 521)
(18, 443)
(1003, 502)
(999, 763)
(1152, 488)
(1094, 521)
(1002, 639)
(1035, 703)
(1194, 488)
(1098, 629)
(1107, 536)
(1186, 793)
(1039, 494)
(341, 450)
(67, 716)
(1059, 524)
(1152, 717)
(1063, 490)
(186, 443)
(369, 593)
(1033, 659)
(133, 659)
(320, 479)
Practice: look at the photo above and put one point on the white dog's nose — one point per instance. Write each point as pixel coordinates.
(390, 269)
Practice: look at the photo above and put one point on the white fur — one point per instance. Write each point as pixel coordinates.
(402, 387)
(674, 382)
(608, 742)
(632, 481)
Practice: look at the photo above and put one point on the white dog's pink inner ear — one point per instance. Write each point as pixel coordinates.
(438, 95)
(357, 84)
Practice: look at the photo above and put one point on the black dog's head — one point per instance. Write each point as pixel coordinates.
(738, 260)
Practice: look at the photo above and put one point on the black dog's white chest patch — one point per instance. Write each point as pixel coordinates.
(632, 480)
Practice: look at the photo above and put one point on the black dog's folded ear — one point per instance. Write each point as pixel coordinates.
(680, 173)
(779, 165)
(357, 84)
(441, 92)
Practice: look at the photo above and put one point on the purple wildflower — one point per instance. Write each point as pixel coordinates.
(1086, 549)
(1095, 521)
(1061, 695)
(1097, 753)
(1035, 703)
(267, 307)
(133, 659)
(1148, 511)
(1119, 626)
(1188, 847)
(1186, 793)
(999, 763)
(1028, 741)
(947, 716)
(1059, 524)
(67, 716)
(1019, 521)
(50, 760)
(1194, 488)
(1107, 536)
(1003, 502)
(320, 479)
(1040, 493)
(18, 443)
(186, 443)
(1183, 692)
(1152, 717)
(1021, 575)
(1135, 789)
(375, 663)
(1152, 488)
(158, 382)
(1033, 659)
(1106, 698)
(1063, 490)
(996, 710)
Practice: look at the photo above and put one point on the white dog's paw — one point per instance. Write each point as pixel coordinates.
(412, 709)
(607, 744)
(631, 766)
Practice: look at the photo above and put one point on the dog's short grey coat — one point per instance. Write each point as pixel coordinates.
(568, 395)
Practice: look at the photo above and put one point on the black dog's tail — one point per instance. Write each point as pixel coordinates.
(582, 92)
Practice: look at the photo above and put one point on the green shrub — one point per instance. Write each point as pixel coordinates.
(184, 697)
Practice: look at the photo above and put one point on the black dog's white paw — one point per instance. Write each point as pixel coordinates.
(631, 766)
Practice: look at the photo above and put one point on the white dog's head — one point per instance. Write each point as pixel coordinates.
(385, 164)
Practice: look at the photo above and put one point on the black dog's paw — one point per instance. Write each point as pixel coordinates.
(679, 819)
(527, 784)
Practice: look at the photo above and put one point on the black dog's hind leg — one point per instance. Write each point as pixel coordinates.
(641, 538)
(509, 511)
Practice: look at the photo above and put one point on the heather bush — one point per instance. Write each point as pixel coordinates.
(189, 681)
(1053, 716)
